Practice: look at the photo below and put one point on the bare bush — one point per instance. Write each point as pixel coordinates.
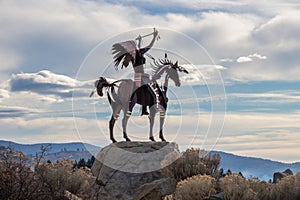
(17, 180)
(194, 162)
(236, 187)
(287, 188)
(56, 179)
(195, 187)
(47, 181)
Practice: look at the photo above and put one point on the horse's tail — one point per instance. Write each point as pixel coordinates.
(101, 83)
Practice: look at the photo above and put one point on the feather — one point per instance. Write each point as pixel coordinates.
(124, 52)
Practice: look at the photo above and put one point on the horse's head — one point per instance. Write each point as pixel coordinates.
(170, 68)
(99, 84)
(172, 72)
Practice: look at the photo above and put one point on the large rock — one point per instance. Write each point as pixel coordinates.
(280, 175)
(136, 170)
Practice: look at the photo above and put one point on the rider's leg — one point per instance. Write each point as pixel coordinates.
(151, 120)
(144, 110)
(132, 102)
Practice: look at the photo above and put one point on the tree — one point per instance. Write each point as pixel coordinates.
(90, 162)
(81, 163)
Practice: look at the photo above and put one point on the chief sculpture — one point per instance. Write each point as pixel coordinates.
(124, 94)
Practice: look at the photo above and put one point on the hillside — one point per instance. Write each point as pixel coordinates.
(258, 167)
(31, 149)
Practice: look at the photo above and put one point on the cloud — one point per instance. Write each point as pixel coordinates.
(202, 74)
(250, 57)
(269, 97)
(62, 40)
(3, 94)
(51, 129)
(258, 56)
(243, 59)
(45, 83)
(243, 132)
(15, 111)
(226, 60)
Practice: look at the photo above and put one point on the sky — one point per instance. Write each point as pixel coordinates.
(241, 95)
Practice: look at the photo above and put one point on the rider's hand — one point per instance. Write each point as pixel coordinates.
(155, 33)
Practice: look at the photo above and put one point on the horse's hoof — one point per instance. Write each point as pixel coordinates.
(163, 139)
(127, 140)
(152, 138)
(113, 140)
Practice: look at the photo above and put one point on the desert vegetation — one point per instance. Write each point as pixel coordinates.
(235, 187)
(197, 173)
(199, 177)
(59, 180)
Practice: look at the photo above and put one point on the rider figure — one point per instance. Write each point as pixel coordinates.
(140, 77)
(130, 51)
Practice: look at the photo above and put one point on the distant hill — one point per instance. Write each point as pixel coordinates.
(69, 155)
(31, 149)
(258, 167)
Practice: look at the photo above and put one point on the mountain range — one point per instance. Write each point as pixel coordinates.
(248, 166)
(256, 167)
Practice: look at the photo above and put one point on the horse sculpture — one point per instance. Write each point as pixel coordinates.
(123, 96)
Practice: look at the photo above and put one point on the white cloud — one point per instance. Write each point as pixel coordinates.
(16, 111)
(250, 57)
(226, 60)
(202, 74)
(258, 56)
(82, 24)
(3, 94)
(45, 83)
(269, 97)
(243, 59)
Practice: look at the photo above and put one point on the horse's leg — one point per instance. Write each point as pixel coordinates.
(151, 120)
(111, 128)
(124, 124)
(161, 125)
(116, 112)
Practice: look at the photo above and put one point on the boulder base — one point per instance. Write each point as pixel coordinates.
(136, 170)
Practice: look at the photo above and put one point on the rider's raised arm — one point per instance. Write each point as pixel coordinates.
(145, 49)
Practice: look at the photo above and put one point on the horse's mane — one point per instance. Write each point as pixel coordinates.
(159, 65)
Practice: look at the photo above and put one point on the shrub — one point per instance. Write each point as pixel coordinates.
(56, 179)
(236, 187)
(195, 187)
(47, 181)
(194, 162)
(287, 188)
(17, 180)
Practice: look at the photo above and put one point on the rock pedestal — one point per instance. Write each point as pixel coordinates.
(135, 170)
